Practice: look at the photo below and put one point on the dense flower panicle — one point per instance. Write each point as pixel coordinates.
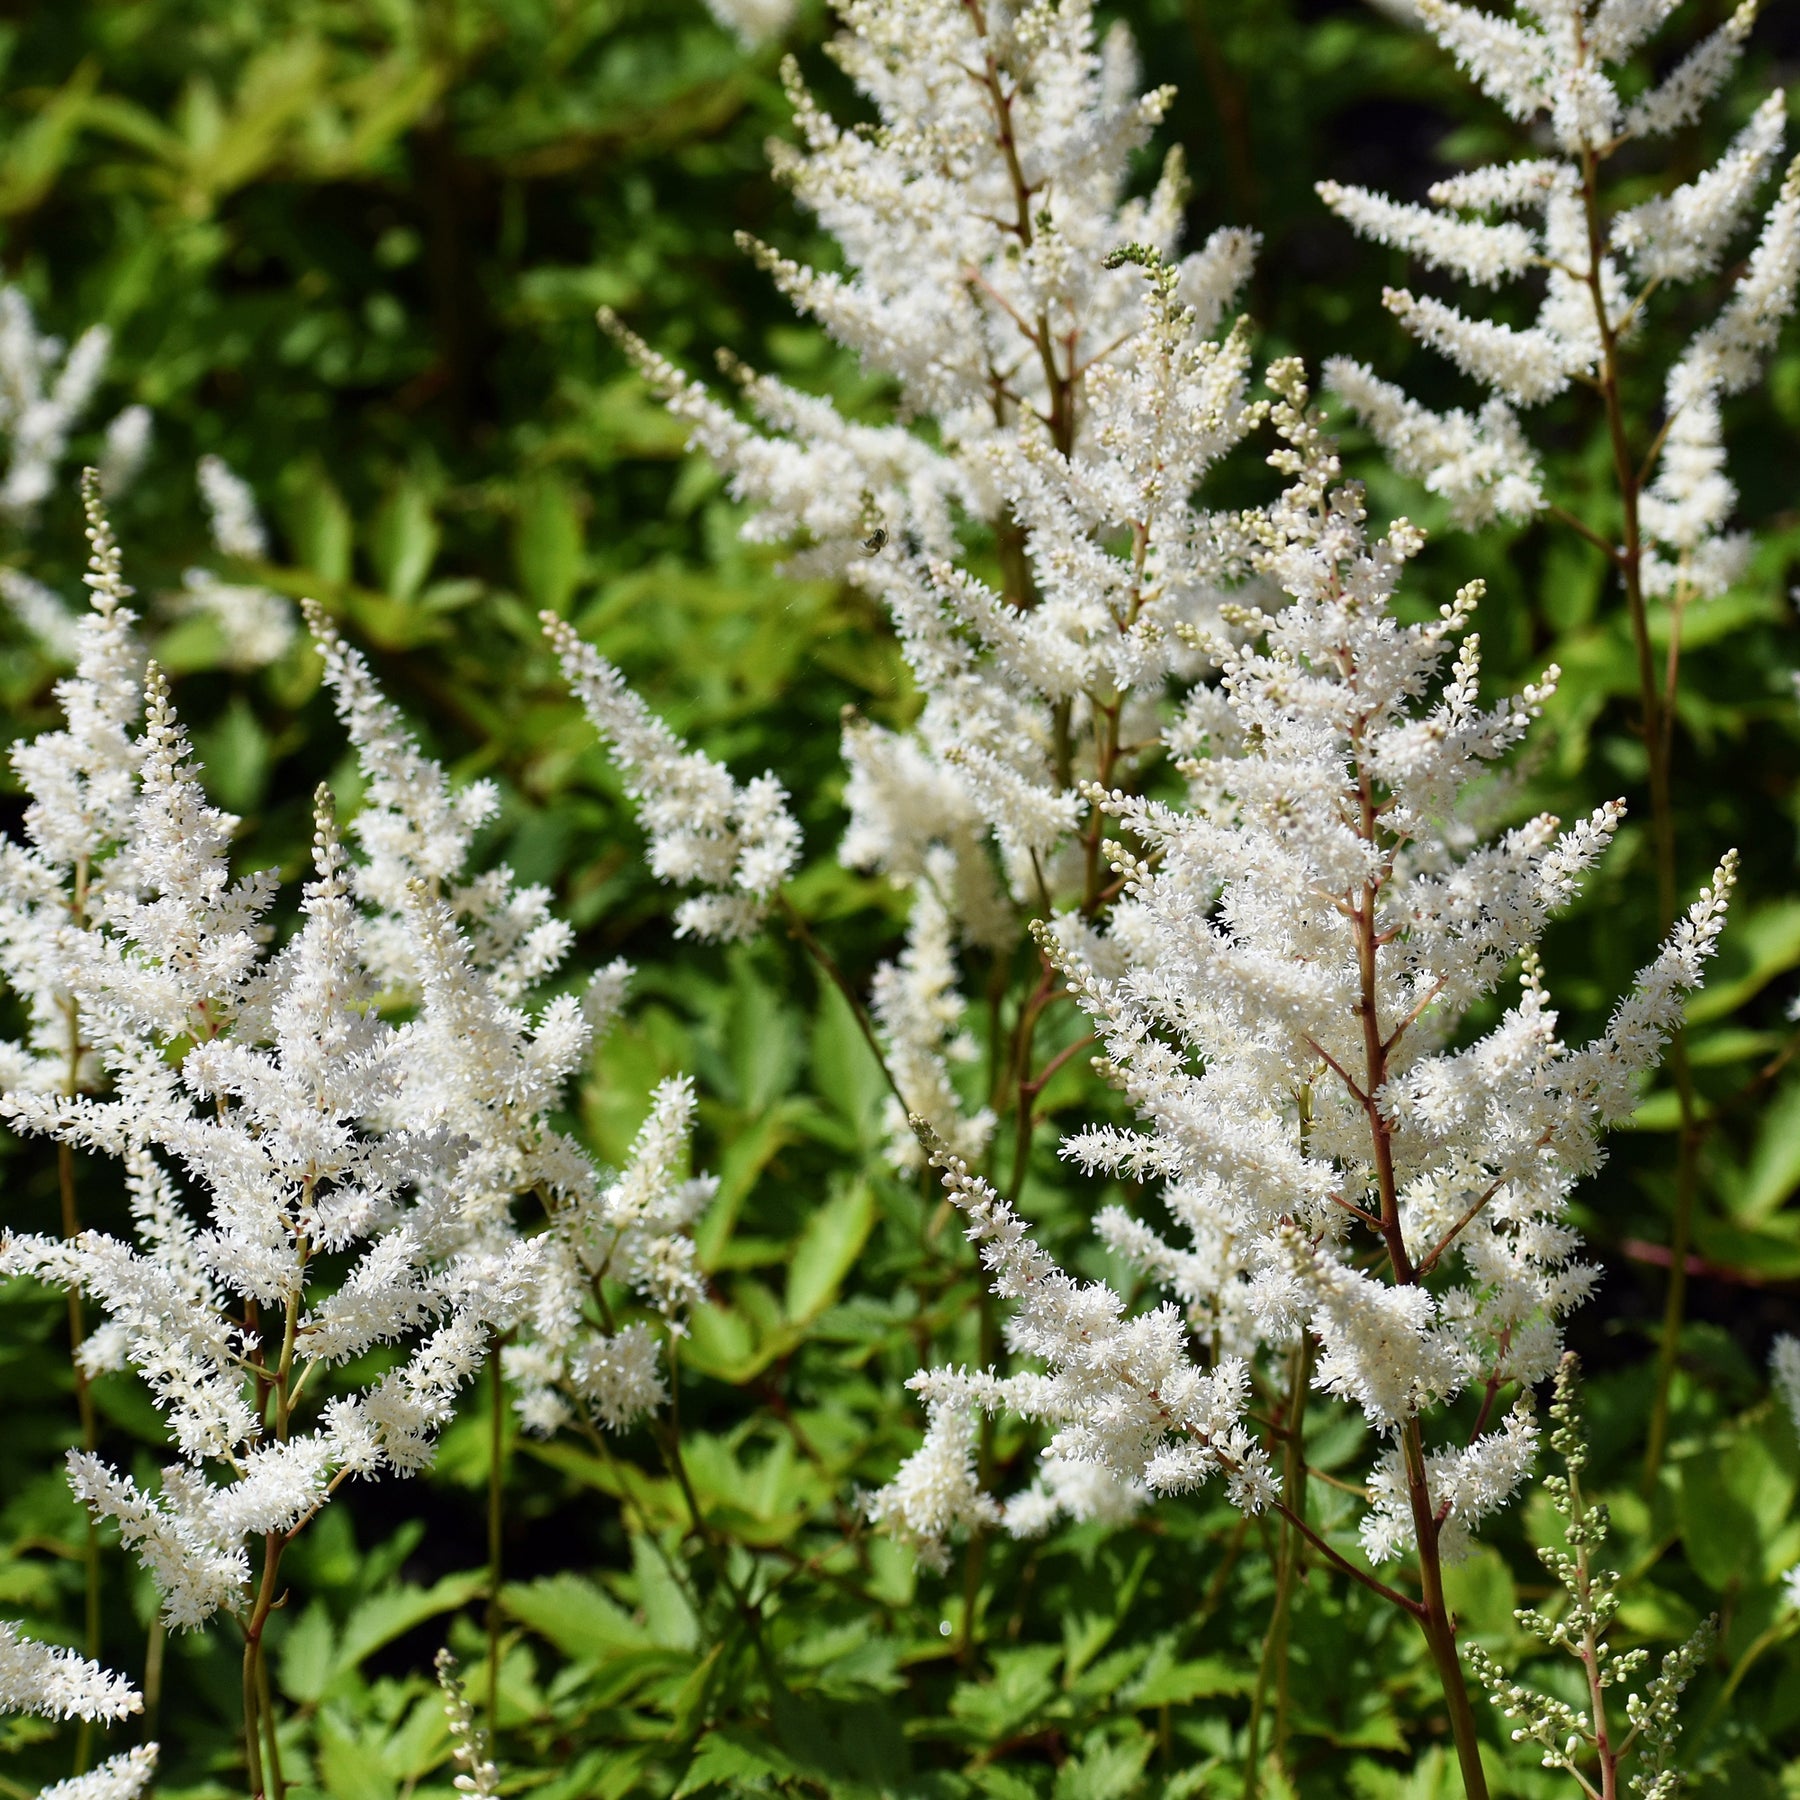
(1066, 358)
(1558, 62)
(271, 1114)
(45, 388)
(1120, 1395)
(126, 448)
(414, 826)
(237, 526)
(255, 625)
(737, 843)
(270, 1108)
(937, 1491)
(47, 1679)
(1278, 991)
(81, 788)
(122, 1777)
(634, 1232)
(918, 1009)
(56, 1683)
(753, 22)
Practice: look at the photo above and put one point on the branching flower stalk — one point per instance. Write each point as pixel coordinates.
(1595, 1746)
(1601, 266)
(1315, 920)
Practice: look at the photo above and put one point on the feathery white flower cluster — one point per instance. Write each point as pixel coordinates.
(82, 783)
(1123, 1397)
(1598, 273)
(255, 624)
(1042, 556)
(753, 22)
(45, 388)
(122, 1777)
(467, 949)
(738, 843)
(47, 1679)
(323, 1137)
(1278, 992)
(56, 1683)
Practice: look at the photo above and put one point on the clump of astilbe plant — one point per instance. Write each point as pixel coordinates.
(1041, 549)
(354, 1113)
(1594, 1744)
(1278, 992)
(1665, 526)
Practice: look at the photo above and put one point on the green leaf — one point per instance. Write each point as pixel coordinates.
(319, 527)
(1179, 1683)
(830, 1244)
(575, 1614)
(383, 1617)
(732, 1759)
(1107, 1770)
(308, 1655)
(668, 1617)
(1733, 1499)
(549, 542)
(1773, 1171)
(351, 1768)
(403, 541)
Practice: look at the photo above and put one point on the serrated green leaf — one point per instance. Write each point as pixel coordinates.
(830, 1244)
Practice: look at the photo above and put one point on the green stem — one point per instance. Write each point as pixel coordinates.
(1435, 1621)
(495, 1519)
(271, 1737)
(1657, 705)
(154, 1651)
(1273, 1665)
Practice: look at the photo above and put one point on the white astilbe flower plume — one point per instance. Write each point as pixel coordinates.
(255, 624)
(81, 787)
(634, 1233)
(56, 1683)
(469, 950)
(1560, 62)
(918, 1009)
(1122, 1395)
(268, 1117)
(737, 843)
(45, 389)
(414, 827)
(52, 1681)
(1068, 362)
(1278, 992)
(122, 1777)
(260, 1076)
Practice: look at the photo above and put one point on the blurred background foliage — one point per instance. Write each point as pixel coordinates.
(355, 248)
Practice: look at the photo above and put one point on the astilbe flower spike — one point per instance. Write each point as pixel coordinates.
(1542, 216)
(1041, 553)
(56, 1683)
(1604, 263)
(323, 1144)
(1278, 992)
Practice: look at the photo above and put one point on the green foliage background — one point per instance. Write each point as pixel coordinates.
(355, 246)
